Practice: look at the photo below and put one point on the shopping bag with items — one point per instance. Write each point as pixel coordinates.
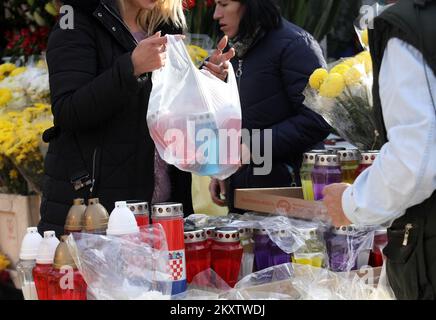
(193, 117)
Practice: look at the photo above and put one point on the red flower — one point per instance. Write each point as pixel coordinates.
(189, 4)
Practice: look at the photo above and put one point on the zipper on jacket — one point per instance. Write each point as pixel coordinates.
(409, 227)
(239, 72)
(93, 171)
(122, 23)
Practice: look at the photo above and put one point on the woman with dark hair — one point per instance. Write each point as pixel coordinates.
(100, 81)
(274, 60)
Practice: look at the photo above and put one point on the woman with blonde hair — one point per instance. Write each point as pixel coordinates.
(100, 84)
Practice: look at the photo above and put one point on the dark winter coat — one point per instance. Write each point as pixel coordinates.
(99, 110)
(275, 72)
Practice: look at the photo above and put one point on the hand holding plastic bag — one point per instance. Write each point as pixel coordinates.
(193, 117)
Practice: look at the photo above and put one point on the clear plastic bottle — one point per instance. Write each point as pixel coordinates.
(28, 253)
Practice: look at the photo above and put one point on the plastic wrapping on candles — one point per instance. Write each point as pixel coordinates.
(123, 268)
(193, 117)
(303, 282)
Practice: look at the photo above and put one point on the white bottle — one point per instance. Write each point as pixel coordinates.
(122, 221)
(28, 253)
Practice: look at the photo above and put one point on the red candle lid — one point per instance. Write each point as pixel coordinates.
(227, 234)
(195, 236)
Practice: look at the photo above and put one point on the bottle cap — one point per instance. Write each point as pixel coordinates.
(227, 234)
(309, 157)
(260, 232)
(76, 216)
(96, 217)
(368, 157)
(245, 233)
(327, 160)
(47, 248)
(210, 232)
(195, 236)
(348, 155)
(122, 220)
(63, 256)
(30, 244)
(167, 209)
(309, 232)
(138, 207)
(345, 230)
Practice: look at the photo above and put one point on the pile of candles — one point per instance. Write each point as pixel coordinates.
(323, 167)
(48, 272)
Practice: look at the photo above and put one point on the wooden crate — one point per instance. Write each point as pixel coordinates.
(17, 213)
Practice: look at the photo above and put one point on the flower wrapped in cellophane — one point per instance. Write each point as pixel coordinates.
(12, 92)
(342, 95)
(199, 46)
(22, 86)
(21, 142)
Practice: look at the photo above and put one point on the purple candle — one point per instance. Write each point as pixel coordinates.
(343, 244)
(327, 171)
(278, 256)
(261, 249)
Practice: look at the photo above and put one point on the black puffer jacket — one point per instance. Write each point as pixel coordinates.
(99, 110)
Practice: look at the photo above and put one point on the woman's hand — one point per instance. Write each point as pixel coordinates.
(217, 188)
(333, 201)
(149, 55)
(218, 63)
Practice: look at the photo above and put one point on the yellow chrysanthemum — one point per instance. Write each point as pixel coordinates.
(351, 62)
(353, 76)
(7, 68)
(365, 58)
(13, 174)
(364, 37)
(197, 54)
(18, 71)
(2, 77)
(5, 96)
(333, 86)
(340, 68)
(317, 78)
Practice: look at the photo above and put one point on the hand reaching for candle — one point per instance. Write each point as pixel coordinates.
(333, 201)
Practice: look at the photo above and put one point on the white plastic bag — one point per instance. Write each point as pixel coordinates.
(193, 117)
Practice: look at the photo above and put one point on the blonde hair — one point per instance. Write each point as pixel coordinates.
(165, 11)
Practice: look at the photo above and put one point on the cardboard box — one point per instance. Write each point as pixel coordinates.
(283, 201)
(17, 213)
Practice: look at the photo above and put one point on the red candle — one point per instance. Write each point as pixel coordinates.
(65, 281)
(227, 255)
(197, 253)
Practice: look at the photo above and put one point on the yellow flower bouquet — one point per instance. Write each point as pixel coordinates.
(21, 142)
(343, 96)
